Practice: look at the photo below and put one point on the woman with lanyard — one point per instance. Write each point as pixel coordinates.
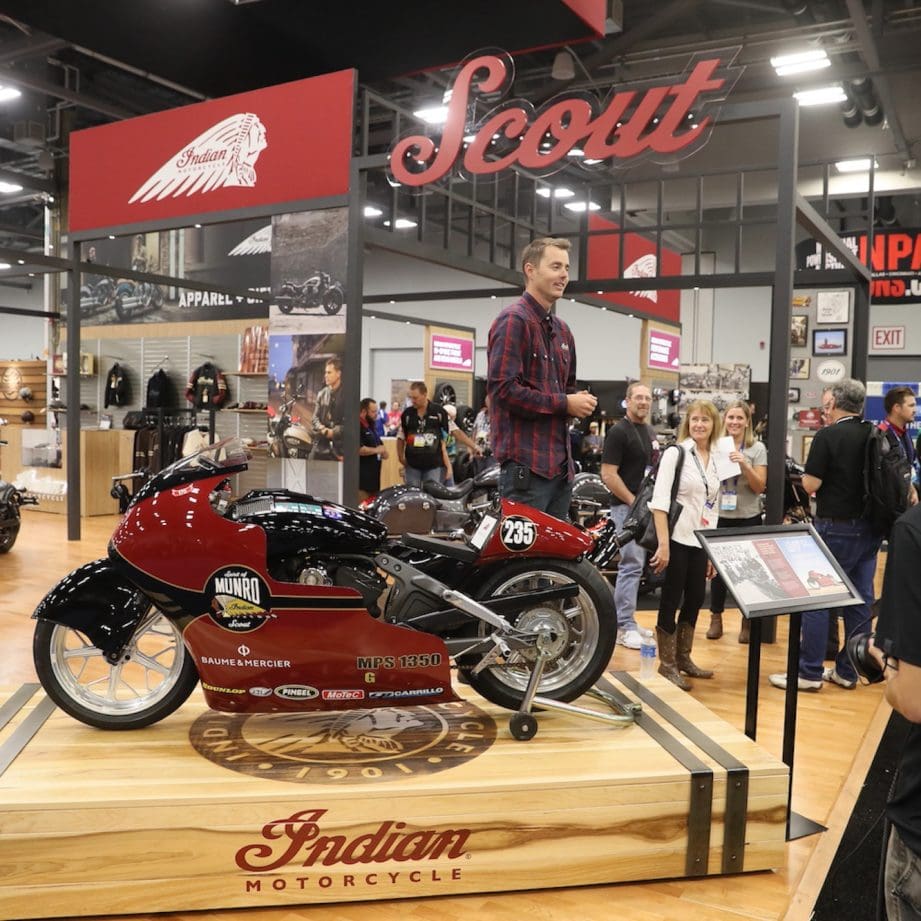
(679, 554)
(740, 500)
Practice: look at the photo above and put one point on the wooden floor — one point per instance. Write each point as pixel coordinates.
(837, 736)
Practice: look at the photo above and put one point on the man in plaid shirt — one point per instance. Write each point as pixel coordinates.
(532, 385)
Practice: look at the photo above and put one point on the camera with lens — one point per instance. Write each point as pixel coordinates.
(858, 651)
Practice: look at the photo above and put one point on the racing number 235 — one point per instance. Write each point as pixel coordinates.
(518, 533)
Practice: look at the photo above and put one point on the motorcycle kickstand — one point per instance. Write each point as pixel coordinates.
(523, 724)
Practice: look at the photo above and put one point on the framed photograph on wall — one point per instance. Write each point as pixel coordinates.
(833, 307)
(829, 342)
(799, 330)
(793, 395)
(778, 569)
(807, 444)
(799, 369)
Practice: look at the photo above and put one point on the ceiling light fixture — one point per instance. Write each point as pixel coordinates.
(824, 95)
(564, 68)
(9, 92)
(433, 115)
(402, 223)
(856, 165)
(7, 188)
(800, 62)
(371, 211)
(582, 206)
(559, 192)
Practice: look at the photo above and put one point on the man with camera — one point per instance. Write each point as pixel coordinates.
(896, 649)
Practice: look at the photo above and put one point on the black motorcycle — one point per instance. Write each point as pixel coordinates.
(11, 500)
(97, 295)
(133, 297)
(317, 291)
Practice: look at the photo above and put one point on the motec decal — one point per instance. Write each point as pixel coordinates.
(223, 155)
(346, 746)
(517, 533)
(660, 120)
(239, 599)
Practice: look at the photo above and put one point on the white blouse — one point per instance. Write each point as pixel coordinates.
(698, 492)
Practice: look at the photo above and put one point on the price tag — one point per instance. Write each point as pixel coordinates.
(484, 531)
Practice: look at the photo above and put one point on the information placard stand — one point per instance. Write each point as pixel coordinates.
(778, 570)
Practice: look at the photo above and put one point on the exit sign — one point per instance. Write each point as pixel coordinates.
(887, 338)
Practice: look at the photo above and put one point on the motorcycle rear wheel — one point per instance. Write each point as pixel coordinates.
(584, 630)
(332, 301)
(154, 678)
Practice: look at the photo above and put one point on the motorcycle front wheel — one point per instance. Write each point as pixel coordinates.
(153, 678)
(332, 301)
(583, 631)
(8, 537)
(121, 311)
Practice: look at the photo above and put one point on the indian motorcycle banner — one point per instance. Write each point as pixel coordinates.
(286, 143)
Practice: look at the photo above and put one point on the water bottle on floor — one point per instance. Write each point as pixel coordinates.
(647, 654)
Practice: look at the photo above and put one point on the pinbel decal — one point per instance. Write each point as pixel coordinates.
(223, 155)
(301, 840)
(660, 119)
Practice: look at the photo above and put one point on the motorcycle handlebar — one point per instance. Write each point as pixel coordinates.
(610, 540)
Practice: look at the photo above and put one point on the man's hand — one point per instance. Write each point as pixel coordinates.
(580, 404)
(382, 452)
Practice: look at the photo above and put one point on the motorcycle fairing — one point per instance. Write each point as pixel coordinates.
(96, 600)
(337, 660)
(552, 537)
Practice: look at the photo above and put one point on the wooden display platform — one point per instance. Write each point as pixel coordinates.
(207, 810)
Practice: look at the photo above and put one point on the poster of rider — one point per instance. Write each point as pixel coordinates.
(769, 570)
(307, 415)
(231, 256)
(309, 262)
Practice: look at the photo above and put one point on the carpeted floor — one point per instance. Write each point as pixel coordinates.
(850, 890)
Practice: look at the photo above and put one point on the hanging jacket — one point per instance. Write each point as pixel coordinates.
(207, 387)
(160, 391)
(116, 387)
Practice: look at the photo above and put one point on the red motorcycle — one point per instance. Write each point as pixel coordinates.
(278, 601)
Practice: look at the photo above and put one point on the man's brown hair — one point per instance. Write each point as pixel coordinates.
(534, 251)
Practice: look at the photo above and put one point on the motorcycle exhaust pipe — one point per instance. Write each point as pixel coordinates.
(610, 540)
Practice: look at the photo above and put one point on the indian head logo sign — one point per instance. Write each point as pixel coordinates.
(286, 143)
(483, 135)
(224, 155)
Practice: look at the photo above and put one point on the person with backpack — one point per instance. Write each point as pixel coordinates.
(900, 404)
(835, 473)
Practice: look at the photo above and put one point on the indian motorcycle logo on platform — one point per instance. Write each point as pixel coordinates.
(661, 119)
(346, 746)
(223, 155)
(300, 841)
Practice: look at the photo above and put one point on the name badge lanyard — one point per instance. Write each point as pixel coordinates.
(708, 503)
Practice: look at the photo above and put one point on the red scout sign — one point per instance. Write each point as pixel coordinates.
(660, 120)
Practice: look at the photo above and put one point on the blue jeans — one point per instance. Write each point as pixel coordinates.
(902, 880)
(854, 545)
(412, 476)
(550, 496)
(629, 572)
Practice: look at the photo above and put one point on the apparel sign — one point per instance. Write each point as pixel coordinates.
(286, 143)
(660, 119)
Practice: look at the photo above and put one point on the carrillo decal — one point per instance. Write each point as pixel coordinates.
(223, 155)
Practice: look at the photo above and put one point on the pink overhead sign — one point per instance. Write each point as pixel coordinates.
(451, 354)
(664, 350)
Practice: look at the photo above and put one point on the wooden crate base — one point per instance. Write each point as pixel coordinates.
(206, 810)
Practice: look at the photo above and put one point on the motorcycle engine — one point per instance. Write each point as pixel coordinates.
(356, 573)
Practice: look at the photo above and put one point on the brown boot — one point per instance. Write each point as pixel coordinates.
(685, 642)
(745, 630)
(667, 666)
(715, 630)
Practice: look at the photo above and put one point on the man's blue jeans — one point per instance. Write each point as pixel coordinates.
(412, 476)
(550, 496)
(854, 545)
(629, 572)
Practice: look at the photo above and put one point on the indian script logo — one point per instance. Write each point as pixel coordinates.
(350, 746)
(224, 155)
